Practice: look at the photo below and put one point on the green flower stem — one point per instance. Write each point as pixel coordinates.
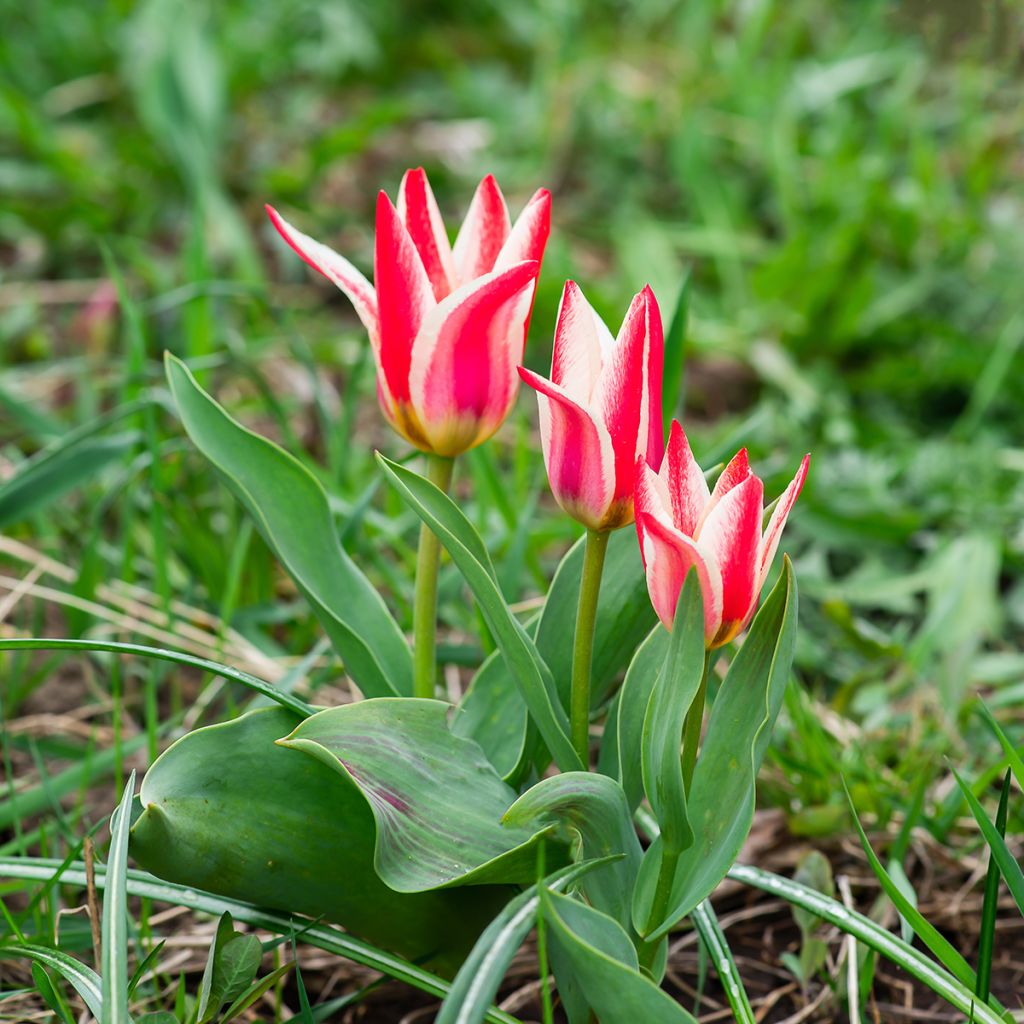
(424, 612)
(659, 905)
(583, 644)
(693, 726)
(670, 858)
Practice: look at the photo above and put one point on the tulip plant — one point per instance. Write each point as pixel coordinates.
(446, 833)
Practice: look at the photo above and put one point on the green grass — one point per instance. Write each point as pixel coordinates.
(840, 181)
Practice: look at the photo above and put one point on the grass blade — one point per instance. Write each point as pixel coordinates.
(162, 654)
(706, 923)
(1014, 759)
(115, 914)
(323, 936)
(987, 935)
(929, 935)
(1006, 861)
(865, 931)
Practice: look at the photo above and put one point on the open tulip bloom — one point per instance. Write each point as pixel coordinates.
(683, 525)
(601, 409)
(447, 323)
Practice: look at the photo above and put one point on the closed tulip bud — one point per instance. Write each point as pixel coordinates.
(684, 525)
(447, 324)
(601, 408)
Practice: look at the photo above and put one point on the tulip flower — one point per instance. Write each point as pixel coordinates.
(683, 525)
(601, 408)
(599, 412)
(447, 326)
(447, 323)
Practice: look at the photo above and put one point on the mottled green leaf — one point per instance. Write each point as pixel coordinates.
(437, 800)
(228, 811)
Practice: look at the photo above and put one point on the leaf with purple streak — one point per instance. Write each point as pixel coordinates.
(437, 801)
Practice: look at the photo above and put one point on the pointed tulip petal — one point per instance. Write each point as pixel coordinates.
(404, 295)
(582, 342)
(731, 538)
(654, 373)
(483, 232)
(529, 235)
(651, 495)
(687, 488)
(772, 536)
(462, 378)
(417, 208)
(732, 476)
(668, 556)
(620, 398)
(335, 268)
(577, 452)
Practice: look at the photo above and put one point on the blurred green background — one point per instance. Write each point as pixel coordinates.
(841, 181)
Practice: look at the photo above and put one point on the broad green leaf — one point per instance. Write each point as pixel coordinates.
(874, 936)
(83, 980)
(1008, 864)
(635, 695)
(943, 950)
(478, 979)
(268, 690)
(677, 685)
(467, 551)
(292, 513)
(711, 934)
(437, 800)
(115, 914)
(721, 802)
(594, 807)
(598, 954)
(227, 810)
(322, 936)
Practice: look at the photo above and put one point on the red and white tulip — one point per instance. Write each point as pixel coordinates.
(447, 323)
(683, 525)
(601, 408)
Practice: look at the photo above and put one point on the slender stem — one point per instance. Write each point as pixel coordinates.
(424, 612)
(659, 906)
(583, 644)
(693, 726)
